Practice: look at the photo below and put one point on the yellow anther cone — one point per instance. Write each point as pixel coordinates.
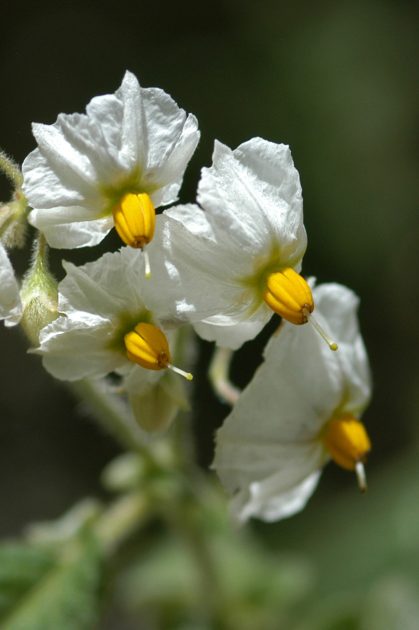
(135, 219)
(288, 294)
(147, 345)
(347, 441)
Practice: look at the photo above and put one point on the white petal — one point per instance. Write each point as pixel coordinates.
(67, 235)
(110, 286)
(112, 115)
(167, 175)
(338, 305)
(268, 500)
(207, 269)
(134, 132)
(254, 192)
(235, 336)
(168, 138)
(137, 138)
(96, 298)
(268, 452)
(77, 156)
(292, 393)
(269, 444)
(10, 305)
(252, 218)
(57, 173)
(73, 348)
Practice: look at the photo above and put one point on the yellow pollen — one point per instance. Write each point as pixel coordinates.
(289, 295)
(348, 444)
(135, 219)
(147, 346)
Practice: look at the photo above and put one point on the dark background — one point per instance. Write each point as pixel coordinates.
(335, 81)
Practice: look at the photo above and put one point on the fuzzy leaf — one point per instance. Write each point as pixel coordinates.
(21, 566)
(65, 596)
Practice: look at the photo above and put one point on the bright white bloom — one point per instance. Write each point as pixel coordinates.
(114, 164)
(111, 321)
(10, 303)
(244, 245)
(300, 410)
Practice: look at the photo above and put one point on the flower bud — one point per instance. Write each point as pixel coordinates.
(39, 295)
(13, 222)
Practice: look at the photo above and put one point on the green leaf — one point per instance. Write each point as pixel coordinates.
(21, 566)
(65, 596)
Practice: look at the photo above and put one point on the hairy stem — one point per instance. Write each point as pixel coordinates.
(11, 170)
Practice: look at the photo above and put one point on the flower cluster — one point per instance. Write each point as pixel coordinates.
(223, 265)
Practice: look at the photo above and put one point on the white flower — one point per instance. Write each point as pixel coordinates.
(132, 146)
(111, 321)
(10, 303)
(239, 254)
(301, 409)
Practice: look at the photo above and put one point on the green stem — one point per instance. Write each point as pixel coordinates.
(181, 520)
(184, 517)
(112, 414)
(40, 252)
(178, 507)
(121, 519)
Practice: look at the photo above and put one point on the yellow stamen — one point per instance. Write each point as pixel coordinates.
(348, 444)
(135, 220)
(147, 345)
(289, 295)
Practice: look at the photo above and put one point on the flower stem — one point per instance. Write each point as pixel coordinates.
(183, 518)
(121, 519)
(112, 414)
(218, 374)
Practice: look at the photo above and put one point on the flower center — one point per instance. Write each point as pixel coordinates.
(135, 219)
(147, 346)
(347, 441)
(289, 295)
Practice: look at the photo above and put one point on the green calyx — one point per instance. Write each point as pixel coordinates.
(39, 294)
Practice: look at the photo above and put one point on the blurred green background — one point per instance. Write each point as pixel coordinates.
(335, 81)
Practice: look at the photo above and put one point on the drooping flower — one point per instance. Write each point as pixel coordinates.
(238, 256)
(113, 320)
(110, 166)
(10, 303)
(301, 409)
